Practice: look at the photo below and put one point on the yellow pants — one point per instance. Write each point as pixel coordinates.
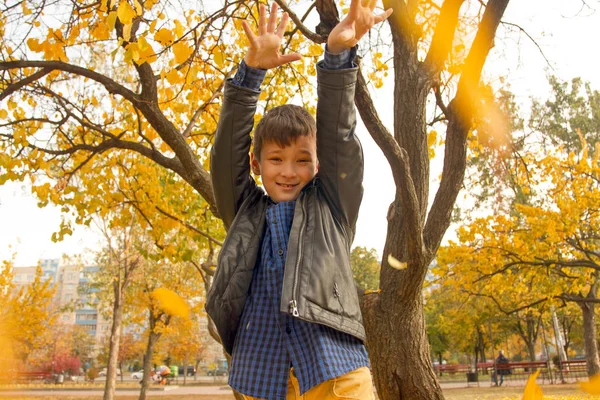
(355, 385)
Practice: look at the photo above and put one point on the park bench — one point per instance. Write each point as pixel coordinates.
(574, 369)
(521, 370)
(32, 376)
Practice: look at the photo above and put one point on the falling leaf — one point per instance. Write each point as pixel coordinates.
(532, 390)
(394, 263)
(171, 303)
(592, 386)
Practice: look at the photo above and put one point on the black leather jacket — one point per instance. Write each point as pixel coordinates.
(318, 285)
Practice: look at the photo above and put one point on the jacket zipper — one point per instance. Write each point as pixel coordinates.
(294, 303)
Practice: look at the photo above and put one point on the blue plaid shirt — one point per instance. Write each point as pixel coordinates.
(269, 342)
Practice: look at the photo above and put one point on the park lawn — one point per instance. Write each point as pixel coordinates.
(551, 392)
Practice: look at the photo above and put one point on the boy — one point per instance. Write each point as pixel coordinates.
(283, 297)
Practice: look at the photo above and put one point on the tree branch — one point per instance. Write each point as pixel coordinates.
(191, 170)
(217, 93)
(189, 226)
(110, 85)
(441, 43)
(460, 114)
(315, 37)
(398, 160)
(10, 89)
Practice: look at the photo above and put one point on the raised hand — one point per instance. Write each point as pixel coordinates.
(264, 51)
(359, 20)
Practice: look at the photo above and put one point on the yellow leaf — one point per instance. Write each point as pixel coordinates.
(172, 76)
(3, 114)
(26, 11)
(394, 263)
(111, 20)
(139, 10)
(532, 390)
(171, 303)
(179, 29)
(125, 12)
(164, 36)
(33, 44)
(127, 31)
(592, 386)
(218, 56)
(315, 49)
(182, 51)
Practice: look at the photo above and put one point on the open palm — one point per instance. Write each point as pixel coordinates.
(358, 22)
(264, 52)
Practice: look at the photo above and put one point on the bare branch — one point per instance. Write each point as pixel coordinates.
(500, 306)
(315, 37)
(532, 40)
(190, 227)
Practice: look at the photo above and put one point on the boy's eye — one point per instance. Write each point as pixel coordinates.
(304, 160)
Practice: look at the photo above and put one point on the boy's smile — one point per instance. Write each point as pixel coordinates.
(286, 170)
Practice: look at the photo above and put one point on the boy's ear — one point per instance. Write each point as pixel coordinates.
(254, 164)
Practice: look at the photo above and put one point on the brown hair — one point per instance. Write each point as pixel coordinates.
(283, 125)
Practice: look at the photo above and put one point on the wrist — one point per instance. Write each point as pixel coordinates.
(252, 61)
(337, 48)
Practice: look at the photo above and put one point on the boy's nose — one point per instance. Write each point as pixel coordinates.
(289, 169)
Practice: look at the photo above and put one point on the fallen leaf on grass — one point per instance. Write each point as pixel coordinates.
(532, 390)
(592, 386)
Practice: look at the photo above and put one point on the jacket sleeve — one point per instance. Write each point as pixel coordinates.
(339, 151)
(230, 160)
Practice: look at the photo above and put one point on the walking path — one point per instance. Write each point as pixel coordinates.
(166, 391)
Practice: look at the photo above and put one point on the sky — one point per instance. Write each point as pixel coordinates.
(565, 30)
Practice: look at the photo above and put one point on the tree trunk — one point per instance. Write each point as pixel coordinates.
(113, 353)
(146, 380)
(590, 338)
(399, 352)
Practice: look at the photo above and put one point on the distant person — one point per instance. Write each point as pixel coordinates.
(501, 368)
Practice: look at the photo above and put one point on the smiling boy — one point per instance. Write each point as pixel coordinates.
(283, 297)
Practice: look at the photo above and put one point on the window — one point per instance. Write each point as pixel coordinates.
(87, 317)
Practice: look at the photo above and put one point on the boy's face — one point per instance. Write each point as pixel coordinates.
(286, 170)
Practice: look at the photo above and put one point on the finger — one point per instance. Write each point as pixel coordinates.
(372, 4)
(288, 58)
(272, 18)
(249, 34)
(354, 6)
(282, 24)
(383, 16)
(262, 19)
